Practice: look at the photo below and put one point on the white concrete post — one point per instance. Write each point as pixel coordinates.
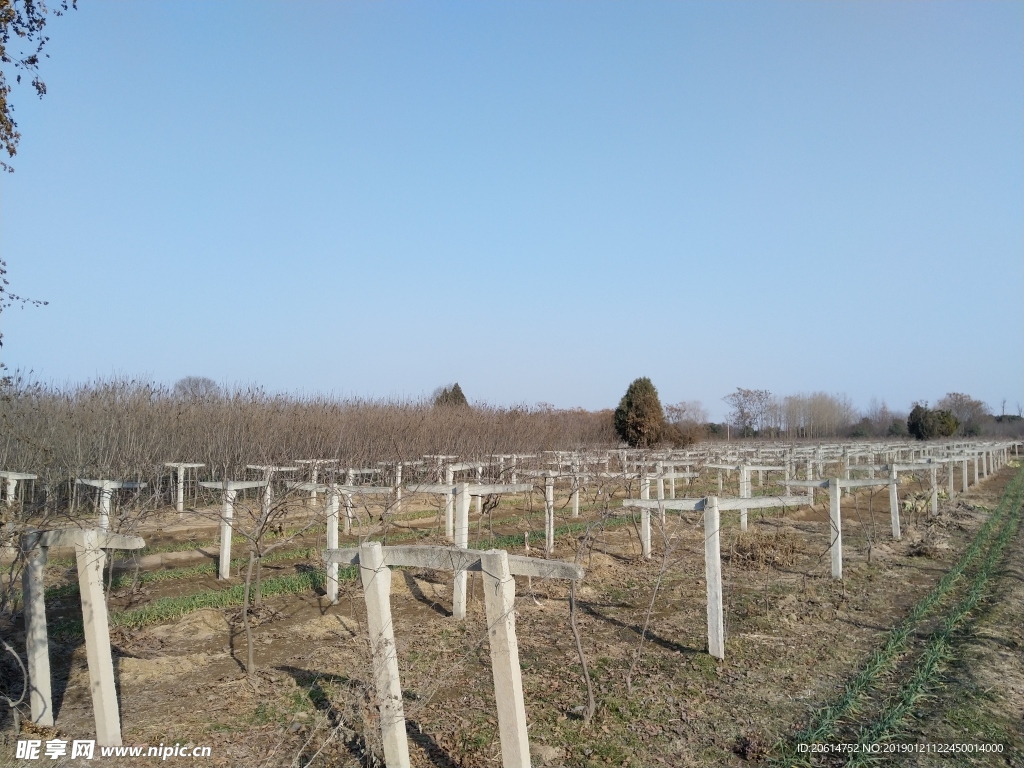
(499, 603)
(836, 523)
(894, 503)
(963, 484)
(661, 497)
(376, 578)
(106, 493)
(935, 490)
(12, 490)
(713, 578)
(349, 515)
(949, 479)
(462, 499)
(549, 515)
(977, 461)
(787, 473)
(36, 644)
(672, 482)
(179, 491)
(810, 476)
(268, 498)
(515, 466)
(89, 558)
(180, 471)
(745, 493)
(660, 487)
(398, 488)
(224, 569)
(350, 478)
(577, 481)
(720, 481)
(313, 472)
(449, 504)
(332, 542)
(479, 499)
(645, 485)
(645, 532)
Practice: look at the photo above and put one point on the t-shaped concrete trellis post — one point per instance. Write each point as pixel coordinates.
(463, 493)
(834, 513)
(743, 504)
(268, 490)
(179, 491)
(107, 488)
(549, 514)
(711, 506)
(314, 470)
(498, 569)
(932, 468)
(713, 577)
(89, 544)
(549, 476)
(230, 489)
(334, 492)
(396, 480)
(11, 482)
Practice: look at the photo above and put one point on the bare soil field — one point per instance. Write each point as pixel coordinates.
(795, 640)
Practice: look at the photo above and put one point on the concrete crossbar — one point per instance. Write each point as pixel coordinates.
(455, 559)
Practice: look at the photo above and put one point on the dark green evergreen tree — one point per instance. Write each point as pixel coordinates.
(450, 396)
(926, 424)
(639, 419)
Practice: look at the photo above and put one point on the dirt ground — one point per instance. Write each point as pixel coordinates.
(794, 637)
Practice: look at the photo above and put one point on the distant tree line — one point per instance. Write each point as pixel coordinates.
(117, 428)
(641, 421)
(759, 413)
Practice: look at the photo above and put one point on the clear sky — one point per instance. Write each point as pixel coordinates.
(539, 200)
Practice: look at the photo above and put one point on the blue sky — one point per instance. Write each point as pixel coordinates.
(541, 201)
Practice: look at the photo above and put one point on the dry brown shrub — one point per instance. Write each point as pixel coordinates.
(923, 548)
(126, 429)
(757, 549)
(753, 746)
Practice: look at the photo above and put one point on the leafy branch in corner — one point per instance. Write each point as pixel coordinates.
(22, 23)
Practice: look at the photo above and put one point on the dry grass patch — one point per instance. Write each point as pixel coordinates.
(758, 549)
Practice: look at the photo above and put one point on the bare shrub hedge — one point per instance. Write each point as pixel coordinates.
(128, 428)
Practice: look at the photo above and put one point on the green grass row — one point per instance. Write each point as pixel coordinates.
(823, 724)
(172, 608)
(168, 609)
(123, 578)
(186, 546)
(304, 553)
(240, 540)
(938, 649)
